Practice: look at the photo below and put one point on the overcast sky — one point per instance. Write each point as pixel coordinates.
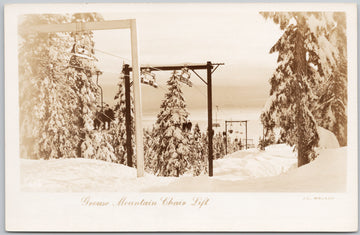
(195, 34)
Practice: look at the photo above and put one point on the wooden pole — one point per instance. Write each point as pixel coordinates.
(225, 137)
(137, 99)
(210, 130)
(129, 151)
(246, 134)
(101, 90)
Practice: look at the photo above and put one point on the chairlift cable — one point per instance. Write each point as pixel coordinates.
(111, 54)
(120, 57)
(197, 88)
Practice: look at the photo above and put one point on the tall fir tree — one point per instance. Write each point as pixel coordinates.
(268, 125)
(58, 113)
(46, 97)
(119, 141)
(219, 145)
(197, 158)
(307, 62)
(92, 143)
(172, 149)
(291, 94)
(331, 112)
(150, 142)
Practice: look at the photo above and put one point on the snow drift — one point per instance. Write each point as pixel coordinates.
(244, 171)
(327, 139)
(327, 173)
(253, 163)
(82, 175)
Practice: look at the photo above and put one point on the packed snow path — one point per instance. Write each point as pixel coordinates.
(247, 170)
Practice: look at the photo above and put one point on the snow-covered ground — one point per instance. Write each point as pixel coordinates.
(249, 170)
(327, 173)
(253, 163)
(83, 175)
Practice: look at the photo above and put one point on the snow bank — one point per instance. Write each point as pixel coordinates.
(327, 173)
(253, 163)
(244, 171)
(327, 139)
(82, 175)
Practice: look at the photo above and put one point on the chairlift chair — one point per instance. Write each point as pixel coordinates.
(184, 76)
(81, 50)
(185, 73)
(186, 126)
(155, 85)
(231, 130)
(81, 58)
(147, 77)
(216, 125)
(143, 79)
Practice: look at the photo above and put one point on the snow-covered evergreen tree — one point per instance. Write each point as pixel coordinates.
(150, 142)
(59, 111)
(119, 141)
(268, 125)
(172, 148)
(87, 93)
(46, 97)
(292, 84)
(218, 145)
(331, 112)
(308, 87)
(232, 145)
(97, 146)
(198, 159)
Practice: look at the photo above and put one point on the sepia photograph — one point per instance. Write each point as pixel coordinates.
(182, 99)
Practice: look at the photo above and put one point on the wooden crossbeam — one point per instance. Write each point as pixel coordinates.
(176, 67)
(81, 26)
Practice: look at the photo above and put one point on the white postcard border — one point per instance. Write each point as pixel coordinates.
(225, 212)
